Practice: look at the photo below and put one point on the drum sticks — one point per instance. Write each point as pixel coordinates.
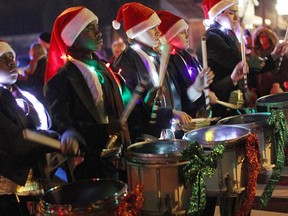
(284, 41)
(205, 66)
(41, 139)
(243, 53)
(137, 94)
(165, 55)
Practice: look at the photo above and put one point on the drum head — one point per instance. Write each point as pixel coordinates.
(211, 136)
(85, 192)
(253, 121)
(276, 101)
(160, 151)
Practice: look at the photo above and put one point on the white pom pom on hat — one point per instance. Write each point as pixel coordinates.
(116, 25)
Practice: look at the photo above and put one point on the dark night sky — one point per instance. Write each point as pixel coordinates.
(32, 16)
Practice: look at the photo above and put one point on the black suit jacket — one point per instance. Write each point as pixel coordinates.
(17, 156)
(223, 54)
(73, 108)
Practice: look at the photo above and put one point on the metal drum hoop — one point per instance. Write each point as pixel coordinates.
(279, 102)
(174, 155)
(92, 207)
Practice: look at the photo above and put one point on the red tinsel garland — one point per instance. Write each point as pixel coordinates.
(253, 156)
(132, 204)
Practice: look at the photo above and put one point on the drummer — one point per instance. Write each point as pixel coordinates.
(83, 92)
(224, 55)
(183, 67)
(21, 161)
(140, 59)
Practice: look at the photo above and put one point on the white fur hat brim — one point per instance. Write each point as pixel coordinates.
(174, 30)
(151, 22)
(71, 31)
(219, 7)
(5, 47)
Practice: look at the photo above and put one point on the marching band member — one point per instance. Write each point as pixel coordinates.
(21, 160)
(140, 59)
(83, 92)
(185, 68)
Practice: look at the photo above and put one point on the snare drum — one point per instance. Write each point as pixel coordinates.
(232, 168)
(257, 123)
(158, 165)
(95, 197)
(274, 102)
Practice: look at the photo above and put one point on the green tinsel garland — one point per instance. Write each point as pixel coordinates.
(200, 165)
(278, 121)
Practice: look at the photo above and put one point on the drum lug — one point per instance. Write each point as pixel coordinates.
(229, 184)
(168, 203)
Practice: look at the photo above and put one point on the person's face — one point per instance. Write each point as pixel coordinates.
(90, 39)
(181, 40)
(150, 37)
(8, 69)
(264, 39)
(229, 18)
(118, 48)
(248, 40)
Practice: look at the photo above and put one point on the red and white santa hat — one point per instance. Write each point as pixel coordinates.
(137, 19)
(5, 47)
(170, 25)
(212, 8)
(67, 26)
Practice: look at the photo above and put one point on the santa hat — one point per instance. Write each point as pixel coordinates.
(170, 25)
(137, 19)
(5, 47)
(67, 26)
(212, 8)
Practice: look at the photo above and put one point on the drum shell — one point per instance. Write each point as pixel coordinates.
(84, 198)
(257, 123)
(274, 102)
(158, 165)
(233, 161)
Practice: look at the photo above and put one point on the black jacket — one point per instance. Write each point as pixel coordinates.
(17, 155)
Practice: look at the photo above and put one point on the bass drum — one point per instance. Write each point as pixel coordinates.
(232, 168)
(96, 197)
(158, 165)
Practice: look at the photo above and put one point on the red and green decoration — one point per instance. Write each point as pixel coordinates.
(200, 165)
(204, 165)
(132, 203)
(278, 122)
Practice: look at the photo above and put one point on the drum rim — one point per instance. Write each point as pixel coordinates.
(252, 125)
(150, 158)
(215, 143)
(281, 104)
(95, 204)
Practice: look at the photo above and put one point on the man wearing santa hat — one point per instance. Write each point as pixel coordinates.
(139, 59)
(182, 65)
(21, 160)
(83, 92)
(223, 53)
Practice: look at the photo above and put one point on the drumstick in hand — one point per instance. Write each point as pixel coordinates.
(165, 55)
(243, 53)
(205, 66)
(282, 55)
(137, 94)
